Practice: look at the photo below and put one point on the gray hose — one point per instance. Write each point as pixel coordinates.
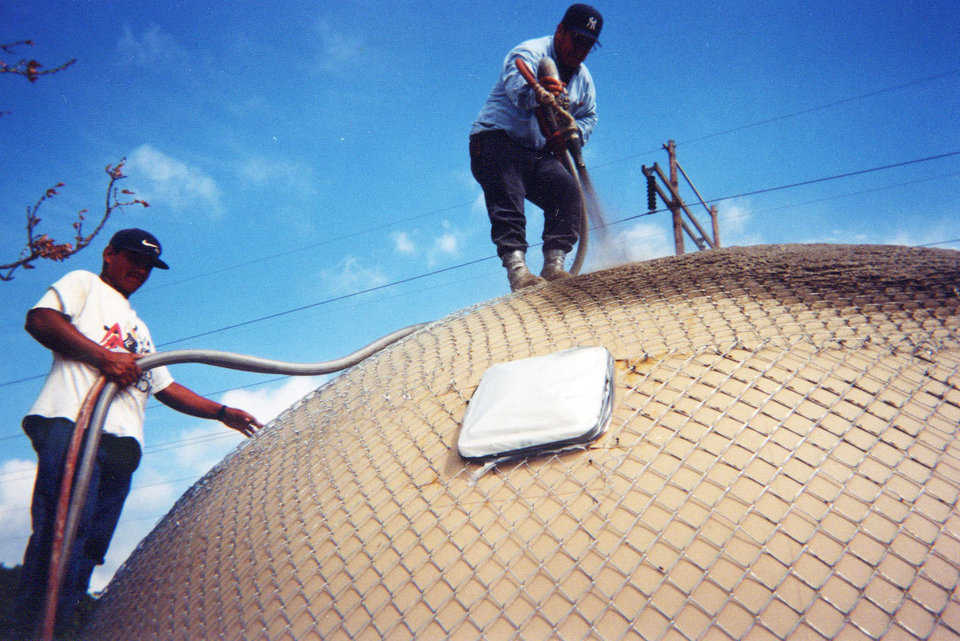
(584, 231)
(228, 360)
(571, 158)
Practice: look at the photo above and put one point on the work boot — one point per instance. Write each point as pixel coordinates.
(553, 264)
(517, 272)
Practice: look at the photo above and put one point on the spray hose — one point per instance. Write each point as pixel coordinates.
(572, 161)
(92, 418)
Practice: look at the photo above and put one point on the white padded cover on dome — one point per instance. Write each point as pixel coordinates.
(539, 404)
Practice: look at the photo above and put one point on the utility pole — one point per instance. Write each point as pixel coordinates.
(670, 195)
(675, 201)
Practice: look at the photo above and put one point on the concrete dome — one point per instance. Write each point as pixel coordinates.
(782, 462)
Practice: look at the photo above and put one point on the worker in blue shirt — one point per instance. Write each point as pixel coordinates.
(510, 157)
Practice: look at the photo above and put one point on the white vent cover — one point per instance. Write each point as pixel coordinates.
(539, 404)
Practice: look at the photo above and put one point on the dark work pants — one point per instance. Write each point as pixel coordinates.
(509, 173)
(117, 458)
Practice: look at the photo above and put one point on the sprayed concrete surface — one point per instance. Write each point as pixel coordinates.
(782, 462)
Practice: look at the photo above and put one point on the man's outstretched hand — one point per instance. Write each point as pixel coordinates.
(241, 421)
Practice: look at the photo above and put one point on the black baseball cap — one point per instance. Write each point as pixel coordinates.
(139, 241)
(583, 19)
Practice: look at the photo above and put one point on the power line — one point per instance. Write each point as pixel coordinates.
(160, 447)
(804, 203)
(479, 260)
(260, 319)
(311, 246)
(849, 174)
(454, 207)
(457, 206)
(206, 438)
(774, 119)
(327, 301)
(941, 242)
(179, 443)
(861, 192)
(152, 406)
(804, 183)
(22, 380)
(828, 105)
(433, 212)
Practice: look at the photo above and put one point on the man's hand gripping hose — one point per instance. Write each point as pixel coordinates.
(557, 125)
(563, 139)
(94, 413)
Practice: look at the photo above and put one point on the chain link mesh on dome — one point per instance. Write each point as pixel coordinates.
(782, 463)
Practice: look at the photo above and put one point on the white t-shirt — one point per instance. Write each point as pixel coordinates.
(105, 316)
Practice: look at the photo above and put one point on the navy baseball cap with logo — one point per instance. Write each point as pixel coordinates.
(583, 19)
(139, 241)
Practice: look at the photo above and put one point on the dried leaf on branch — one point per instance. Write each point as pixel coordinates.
(42, 246)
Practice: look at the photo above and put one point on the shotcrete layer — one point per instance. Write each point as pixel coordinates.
(782, 462)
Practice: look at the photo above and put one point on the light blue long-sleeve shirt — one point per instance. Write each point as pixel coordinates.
(511, 103)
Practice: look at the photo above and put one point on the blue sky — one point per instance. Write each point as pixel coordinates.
(307, 168)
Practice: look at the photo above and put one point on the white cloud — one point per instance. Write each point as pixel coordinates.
(15, 492)
(125, 539)
(296, 178)
(735, 220)
(153, 48)
(164, 180)
(932, 231)
(403, 243)
(351, 275)
(642, 241)
(905, 237)
(336, 48)
(266, 404)
(152, 492)
(736, 216)
(446, 243)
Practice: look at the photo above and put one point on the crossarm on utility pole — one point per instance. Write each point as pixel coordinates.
(682, 207)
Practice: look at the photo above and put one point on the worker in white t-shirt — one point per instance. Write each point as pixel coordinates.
(87, 322)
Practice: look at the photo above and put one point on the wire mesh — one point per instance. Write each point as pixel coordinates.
(782, 463)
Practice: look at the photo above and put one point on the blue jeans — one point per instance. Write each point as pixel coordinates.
(117, 458)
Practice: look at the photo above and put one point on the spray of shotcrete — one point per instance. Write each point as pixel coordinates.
(606, 253)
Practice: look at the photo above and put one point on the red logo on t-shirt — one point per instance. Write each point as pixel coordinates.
(113, 339)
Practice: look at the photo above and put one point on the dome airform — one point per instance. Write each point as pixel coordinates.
(782, 462)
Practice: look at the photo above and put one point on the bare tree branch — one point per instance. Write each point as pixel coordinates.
(29, 69)
(43, 247)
